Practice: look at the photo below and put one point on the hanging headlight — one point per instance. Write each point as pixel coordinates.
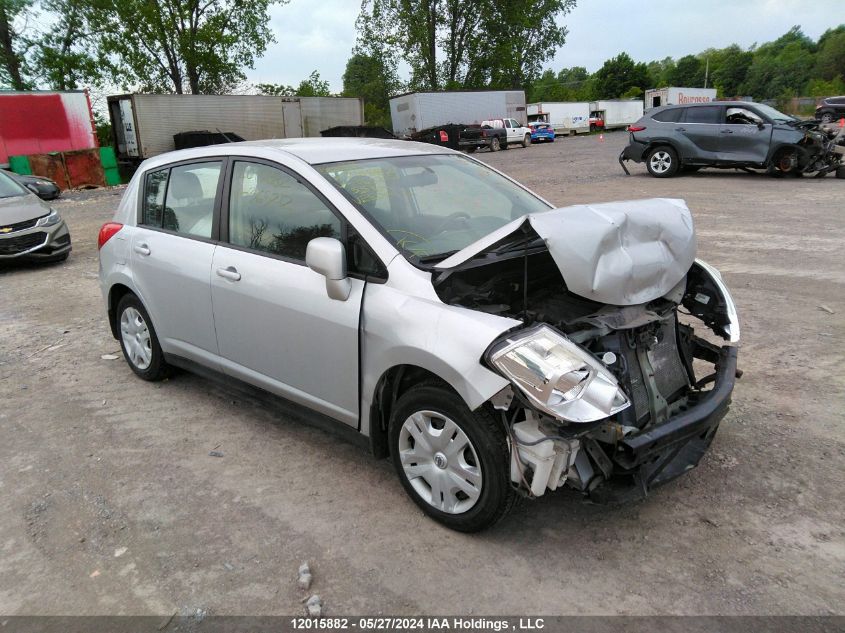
(557, 376)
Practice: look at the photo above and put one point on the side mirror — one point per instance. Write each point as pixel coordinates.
(760, 125)
(326, 256)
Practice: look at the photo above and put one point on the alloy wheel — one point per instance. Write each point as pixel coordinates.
(440, 462)
(660, 162)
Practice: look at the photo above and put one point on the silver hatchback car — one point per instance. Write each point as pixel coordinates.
(493, 346)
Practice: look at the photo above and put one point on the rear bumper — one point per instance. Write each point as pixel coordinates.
(663, 452)
(635, 151)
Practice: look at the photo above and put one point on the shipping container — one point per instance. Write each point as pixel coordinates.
(144, 125)
(566, 117)
(617, 113)
(417, 111)
(678, 96)
(39, 122)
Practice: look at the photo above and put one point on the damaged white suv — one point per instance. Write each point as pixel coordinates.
(491, 345)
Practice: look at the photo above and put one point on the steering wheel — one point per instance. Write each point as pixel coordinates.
(457, 215)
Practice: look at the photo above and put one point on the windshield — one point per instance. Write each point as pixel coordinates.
(775, 115)
(9, 188)
(434, 205)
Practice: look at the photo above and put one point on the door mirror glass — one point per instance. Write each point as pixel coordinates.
(327, 257)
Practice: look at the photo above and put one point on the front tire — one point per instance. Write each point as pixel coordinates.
(526, 140)
(827, 117)
(662, 162)
(453, 462)
(138, 340)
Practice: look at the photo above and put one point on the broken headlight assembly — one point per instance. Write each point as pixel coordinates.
(556, 375)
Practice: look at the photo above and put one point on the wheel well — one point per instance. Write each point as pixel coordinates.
(655, 144)
(390, 387)
(116, 293)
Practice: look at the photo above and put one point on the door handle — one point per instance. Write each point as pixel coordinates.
(231, 273)
(142, 249)
(727, 132)
(680, 129)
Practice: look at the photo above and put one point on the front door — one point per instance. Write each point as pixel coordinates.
(171, 251)
(746, 136)
(276, 326)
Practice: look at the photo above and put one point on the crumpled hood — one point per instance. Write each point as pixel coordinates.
(21, 208)
(619, 253)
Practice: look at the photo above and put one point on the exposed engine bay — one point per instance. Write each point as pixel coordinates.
(608, 427)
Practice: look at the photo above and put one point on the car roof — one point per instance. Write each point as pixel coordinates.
(706, 103)
(311, 150)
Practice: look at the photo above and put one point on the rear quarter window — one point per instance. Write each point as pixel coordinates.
(672, 115)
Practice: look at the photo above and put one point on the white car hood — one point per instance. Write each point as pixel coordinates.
(618, 253)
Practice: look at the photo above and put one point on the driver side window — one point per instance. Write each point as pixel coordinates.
(742, 116)
(271, 211)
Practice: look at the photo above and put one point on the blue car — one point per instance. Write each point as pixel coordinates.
(542, 132)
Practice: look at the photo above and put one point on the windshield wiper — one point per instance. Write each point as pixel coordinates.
(430, 259)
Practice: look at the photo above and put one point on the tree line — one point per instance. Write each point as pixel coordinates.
(792, 65)
(205, 46)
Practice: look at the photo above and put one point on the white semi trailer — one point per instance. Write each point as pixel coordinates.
(657, 97)
(617, 113)
(566, 117)
(416, 111)
(144, 125)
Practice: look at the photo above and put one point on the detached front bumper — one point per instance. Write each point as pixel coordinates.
(38, 243)
(662, 452)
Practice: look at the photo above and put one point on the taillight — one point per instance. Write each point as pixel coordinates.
(106, 232)
(444, 138)
(636, 128)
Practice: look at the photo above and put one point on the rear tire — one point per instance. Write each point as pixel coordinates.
(139, 341)
(526, 140)
(840, 172)
(662, 162)
(454, 463)
(495, 145)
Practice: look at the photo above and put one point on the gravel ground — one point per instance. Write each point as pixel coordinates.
(111, 504)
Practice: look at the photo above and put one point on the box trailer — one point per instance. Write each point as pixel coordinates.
(416, 111)
(657, 97)
(40, 122)
(144, 125)
(617, 113)
(566, 117)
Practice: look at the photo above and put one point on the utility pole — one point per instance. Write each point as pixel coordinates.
(706, 71)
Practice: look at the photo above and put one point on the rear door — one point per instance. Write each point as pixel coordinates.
(746, 136)
(701, 126)
(276, 326)
(171, 253)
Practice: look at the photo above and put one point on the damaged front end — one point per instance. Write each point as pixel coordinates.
(613, 391)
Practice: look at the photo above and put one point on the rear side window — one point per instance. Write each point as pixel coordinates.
(189, 207)
(703, 114)
(673, 115)
(270, 211)
(181, 198)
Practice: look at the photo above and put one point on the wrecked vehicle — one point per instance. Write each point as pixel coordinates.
(672, 140)
(491, 345)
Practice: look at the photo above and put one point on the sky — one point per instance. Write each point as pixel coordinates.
(319, 34)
